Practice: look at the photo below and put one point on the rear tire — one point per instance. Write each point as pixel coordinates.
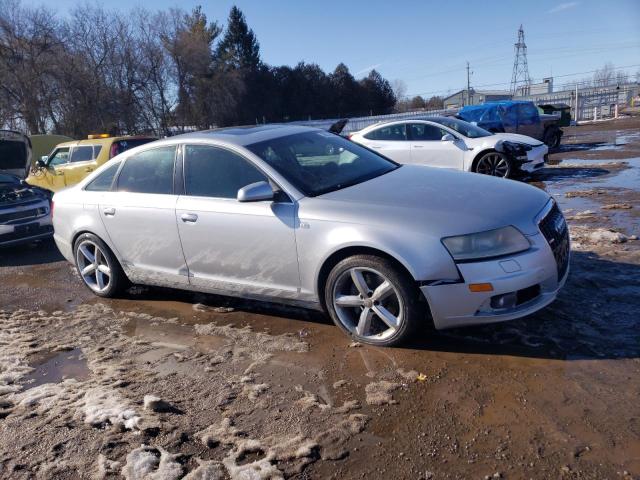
(98, 267)
(373, 300)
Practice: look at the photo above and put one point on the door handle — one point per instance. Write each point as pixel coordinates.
(376, 146)
(109, 211)
(88, 169)
(418, 146)
(189, 217)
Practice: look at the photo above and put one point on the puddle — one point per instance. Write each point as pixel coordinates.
(172, 336)
(616, 178)
(58, 366)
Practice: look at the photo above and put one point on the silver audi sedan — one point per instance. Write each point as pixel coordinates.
(299, 215)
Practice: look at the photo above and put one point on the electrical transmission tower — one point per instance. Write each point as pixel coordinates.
(520, 76)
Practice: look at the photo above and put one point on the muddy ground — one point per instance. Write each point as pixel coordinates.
(164, 384)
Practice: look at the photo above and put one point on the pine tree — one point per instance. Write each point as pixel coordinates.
(239, 47)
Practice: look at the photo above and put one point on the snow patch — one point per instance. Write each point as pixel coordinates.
(379, 393)
(102, 406)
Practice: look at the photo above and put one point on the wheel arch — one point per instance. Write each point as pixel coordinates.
(482, 152)
(80, 232)
(348, 251)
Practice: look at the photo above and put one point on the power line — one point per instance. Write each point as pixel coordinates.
(435, 92)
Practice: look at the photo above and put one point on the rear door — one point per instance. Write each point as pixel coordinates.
(428, 148)
(139, 217)
(390, 141)
(82, 161)
(232, 246)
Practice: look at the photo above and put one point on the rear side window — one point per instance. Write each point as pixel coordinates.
(391, 132)
(84, 153)
(150, 171)
(216, 172)
(421, 132)
(103, 182)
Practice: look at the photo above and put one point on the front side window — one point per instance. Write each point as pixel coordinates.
(396, 132)
(422, 132)
(150, 171)
(509, 116)
(103, 182)
(215, 172)
(59, 157)
(317, 162)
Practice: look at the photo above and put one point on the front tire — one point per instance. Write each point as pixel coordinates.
(553, 138)
(495, 164)
(98, 267)
(373, 300)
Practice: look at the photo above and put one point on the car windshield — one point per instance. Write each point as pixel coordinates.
(463, 128)
(321, 162)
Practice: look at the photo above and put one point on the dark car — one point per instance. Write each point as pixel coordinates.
(25, 212)
(515, 117)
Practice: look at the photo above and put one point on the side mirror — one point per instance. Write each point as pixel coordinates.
(255, 192)
(447, 137)
(42, 162)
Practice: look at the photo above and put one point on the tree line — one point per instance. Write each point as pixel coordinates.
(101, 70)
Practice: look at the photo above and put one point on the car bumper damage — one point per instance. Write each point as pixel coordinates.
(512, 287)
(525, 158)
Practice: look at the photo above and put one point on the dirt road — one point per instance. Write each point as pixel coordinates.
(166, 384)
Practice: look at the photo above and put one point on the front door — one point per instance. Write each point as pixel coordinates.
(139, 217)
(428, 148)
(52, 177)
(529, 120)
(243, 248)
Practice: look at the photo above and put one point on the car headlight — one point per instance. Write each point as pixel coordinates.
(493, 243)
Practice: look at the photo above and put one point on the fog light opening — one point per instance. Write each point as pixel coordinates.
(504, 301)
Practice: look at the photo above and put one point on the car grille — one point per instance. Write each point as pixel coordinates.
(554, 228)
(22, 215)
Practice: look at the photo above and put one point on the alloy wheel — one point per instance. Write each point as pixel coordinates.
(493, 164)
(367, 304)
(93, 266)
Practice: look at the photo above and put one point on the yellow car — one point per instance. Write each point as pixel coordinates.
(70, 162)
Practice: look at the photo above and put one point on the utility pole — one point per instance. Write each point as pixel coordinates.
(468, 86)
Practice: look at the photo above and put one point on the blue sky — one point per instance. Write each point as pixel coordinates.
(427, 43)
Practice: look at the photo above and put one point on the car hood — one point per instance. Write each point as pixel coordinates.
(432, 201)
(15, 153)
(516, 137)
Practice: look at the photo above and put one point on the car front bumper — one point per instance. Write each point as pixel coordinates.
(535, 159)
(26, 230)
(532, 276)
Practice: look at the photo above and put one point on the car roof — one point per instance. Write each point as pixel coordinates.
(418, 118)
(502, 103)
(103, 141)
(245, 135)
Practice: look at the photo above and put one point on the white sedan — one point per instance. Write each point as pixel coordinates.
(448, 142)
